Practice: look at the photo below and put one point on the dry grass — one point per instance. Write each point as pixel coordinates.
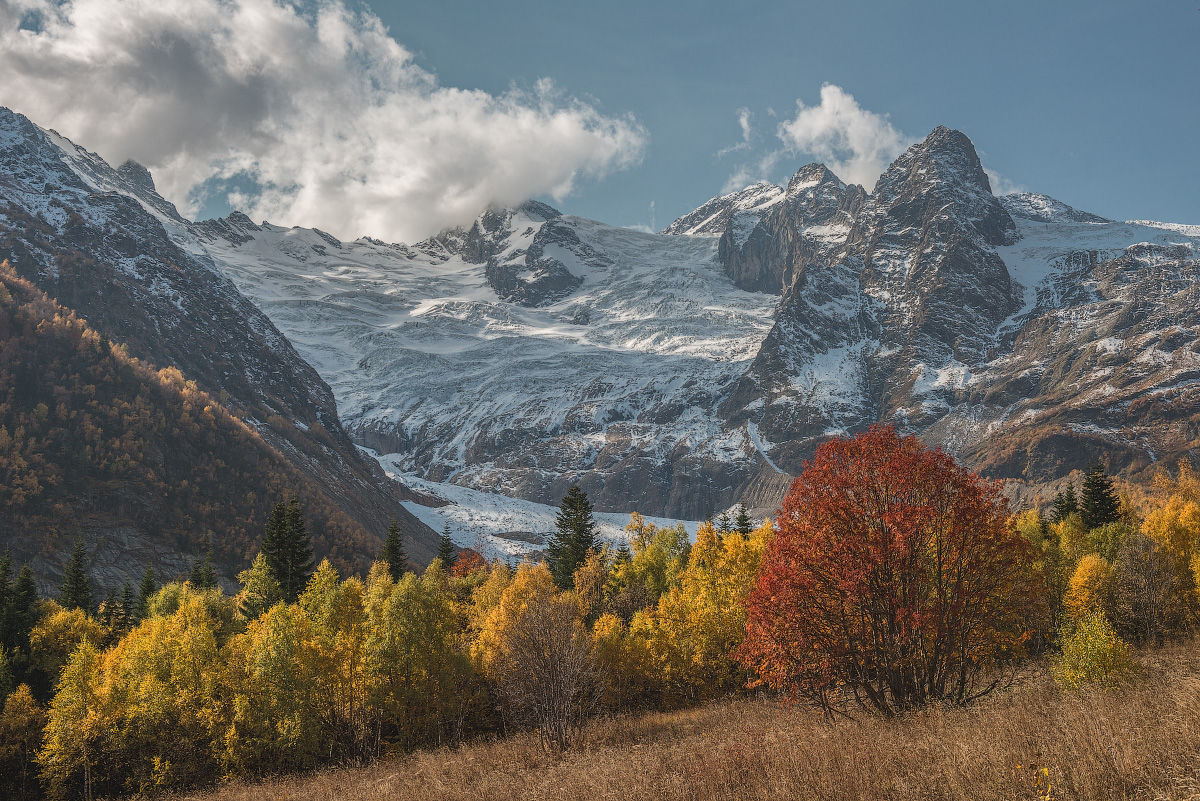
(1138, 741)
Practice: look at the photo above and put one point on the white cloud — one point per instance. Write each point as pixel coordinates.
(1001, 185)
(320, 107)
(856, 144)
(745, 122)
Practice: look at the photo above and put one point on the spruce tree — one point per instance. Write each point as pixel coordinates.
(743, 524)
(6, 599)
(724, 524)
(146, 590)
(445, 550)
(1098, 502)
(574, 537)
(1065, 504)
(393, 552)
(24, 609)
(288, 549)
(76, 589)
(128, 605)
(204, 574)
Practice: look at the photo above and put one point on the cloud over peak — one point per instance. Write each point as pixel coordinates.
(857, 144)
(316, 106)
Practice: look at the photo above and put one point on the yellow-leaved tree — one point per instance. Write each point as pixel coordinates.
(699, 621)
(421, 681)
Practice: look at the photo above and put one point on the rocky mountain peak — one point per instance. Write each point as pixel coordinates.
(938, 183)
(136, 175)
(812, 175)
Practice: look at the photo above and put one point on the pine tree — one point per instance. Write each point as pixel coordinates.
(204, 574)
(446, 549)
(288, 549)
(724, 524)
(743, 524)
(128, 606)
(6, 600)
(24, 609)
(393, 552)
(146, 590)
(1098, 502)
(76, 589)
(574, 537)
(1065, 504)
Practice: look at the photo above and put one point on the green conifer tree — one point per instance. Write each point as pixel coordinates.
(146, 590)
(393, 552)
(1065, 504)
(574, 537)
(288, 548)
(6, 600)
(743, 525)
(24, 610)
(204, 573)
(446, 550)
(76, 589)
(724, 524)
(1098, 502)
(128, 606)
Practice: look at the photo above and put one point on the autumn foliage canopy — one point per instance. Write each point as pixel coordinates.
(894, 579)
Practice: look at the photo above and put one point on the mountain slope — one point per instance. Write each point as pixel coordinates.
(103, 243)
(142, 463)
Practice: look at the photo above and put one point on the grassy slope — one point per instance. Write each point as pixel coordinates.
(1138, 741)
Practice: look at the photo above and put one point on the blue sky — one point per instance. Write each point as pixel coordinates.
(1095, 103)
(397, 119)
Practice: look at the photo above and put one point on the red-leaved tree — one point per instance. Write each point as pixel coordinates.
(894, 579)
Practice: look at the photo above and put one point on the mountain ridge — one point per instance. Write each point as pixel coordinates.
(680, 372)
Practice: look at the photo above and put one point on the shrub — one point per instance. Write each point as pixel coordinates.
(1092, 653)
(894, 579)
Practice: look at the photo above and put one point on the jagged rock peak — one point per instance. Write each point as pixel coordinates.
(943, 176)
(539, 210)
(946, 155)
(1043, 208)
(136, 175)
(811, 175)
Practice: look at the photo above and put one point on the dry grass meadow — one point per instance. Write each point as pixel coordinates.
(1138, 741)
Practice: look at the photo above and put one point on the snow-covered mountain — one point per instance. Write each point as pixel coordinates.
(533, 351)
(678, 373)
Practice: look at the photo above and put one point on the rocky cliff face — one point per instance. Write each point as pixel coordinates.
(104, 243)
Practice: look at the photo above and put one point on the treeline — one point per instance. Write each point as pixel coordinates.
(92, 437)
(190, 684)
(892, 578)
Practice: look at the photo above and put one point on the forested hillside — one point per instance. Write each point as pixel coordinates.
(92, 439)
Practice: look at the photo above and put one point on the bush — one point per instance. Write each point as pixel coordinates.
(1092, 653)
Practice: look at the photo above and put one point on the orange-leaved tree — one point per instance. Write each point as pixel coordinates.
(895, 578)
